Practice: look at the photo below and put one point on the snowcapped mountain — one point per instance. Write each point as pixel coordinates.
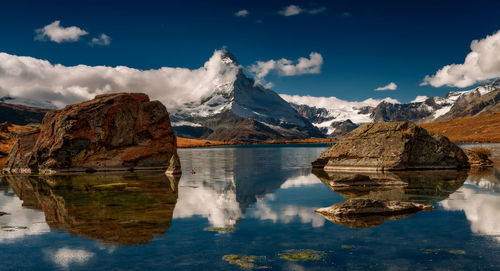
(236, 108)
(330, 113)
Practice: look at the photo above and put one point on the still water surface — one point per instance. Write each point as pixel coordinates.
(244, 201)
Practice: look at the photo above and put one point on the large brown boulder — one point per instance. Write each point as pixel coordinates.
(122, 131)
(391, 146)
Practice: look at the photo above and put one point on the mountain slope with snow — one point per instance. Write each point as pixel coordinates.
(238, 109)
(327, 113)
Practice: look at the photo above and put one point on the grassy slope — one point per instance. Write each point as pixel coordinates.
(191, 143)
(483, 128)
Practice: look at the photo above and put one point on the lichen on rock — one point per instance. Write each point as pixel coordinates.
(391, 146)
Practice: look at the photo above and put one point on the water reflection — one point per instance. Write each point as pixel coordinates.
(117, 209)
(272, 209)
(479, 199)
(419, 187)
(230, 180)
(19, 221)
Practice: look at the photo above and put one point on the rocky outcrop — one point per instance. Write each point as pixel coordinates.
(120, 131)
(391, 146)
(474, 104)
(342, 128)
(478, 159)
(18, 160)
(413, 112)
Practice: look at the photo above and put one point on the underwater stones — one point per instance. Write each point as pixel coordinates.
(391, 146)
(122, 131)
(297, 255)
(244, 261)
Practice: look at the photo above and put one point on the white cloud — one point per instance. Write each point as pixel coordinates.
(41, 80)
(57, 33)
(390, 86)
(103, 40)
(292, 10)
(419, 99)
(66, 257)
(482, 63)
(241, 13)
(285, 67)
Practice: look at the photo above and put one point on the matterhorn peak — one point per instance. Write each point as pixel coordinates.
(227, 57)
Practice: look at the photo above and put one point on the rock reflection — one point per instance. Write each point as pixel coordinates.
(121, 209)
(417, 187)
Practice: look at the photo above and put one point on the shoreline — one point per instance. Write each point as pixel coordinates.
(184, 143)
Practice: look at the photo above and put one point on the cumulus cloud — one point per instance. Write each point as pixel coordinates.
(292, 10)
(57, 33)
(102, 40)
(285, 67)
(241, 13)
(482, 63)
(41, 80)
(390, 86)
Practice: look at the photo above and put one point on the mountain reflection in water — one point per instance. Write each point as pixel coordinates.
(117, 209)
(251, 200)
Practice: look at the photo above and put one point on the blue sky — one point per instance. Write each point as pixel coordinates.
(364, 44)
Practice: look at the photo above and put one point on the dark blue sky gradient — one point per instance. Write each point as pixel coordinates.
(382, 41)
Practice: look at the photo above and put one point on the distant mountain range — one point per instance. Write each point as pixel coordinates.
(236, 108)
(335, 117)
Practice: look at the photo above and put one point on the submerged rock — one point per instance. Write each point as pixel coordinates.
(363, 213)
(122, 131)
(302, 255)
(391, 146)
(244, 261)
(361, 207)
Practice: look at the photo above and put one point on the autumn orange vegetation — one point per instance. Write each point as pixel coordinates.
(192, 143)
(483, 128)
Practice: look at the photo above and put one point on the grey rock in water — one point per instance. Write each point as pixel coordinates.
(392, 146)
(363, 207)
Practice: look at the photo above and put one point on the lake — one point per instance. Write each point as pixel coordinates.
(247, 207)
